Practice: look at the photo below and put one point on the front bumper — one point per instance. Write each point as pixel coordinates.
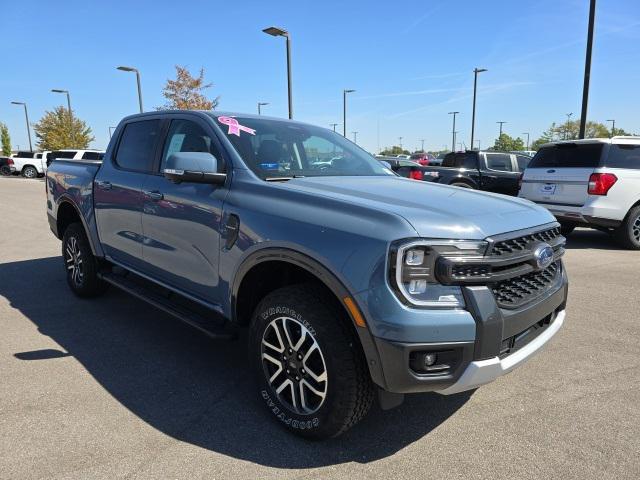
(504, 340)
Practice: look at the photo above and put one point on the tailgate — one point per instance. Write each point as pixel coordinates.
(559, 173)
(565, 186)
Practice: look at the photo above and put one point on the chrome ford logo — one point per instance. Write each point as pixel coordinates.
(543, 256)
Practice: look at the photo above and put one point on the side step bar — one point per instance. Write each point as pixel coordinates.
(188, 316)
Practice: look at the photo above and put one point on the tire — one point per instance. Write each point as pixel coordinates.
(5, 171)
(461, 185)
(329, 360)
(566, 228)
(29, 172)
(80, 265)
(628, 234)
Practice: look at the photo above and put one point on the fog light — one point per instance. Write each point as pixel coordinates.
(417, 286)
(430, 359)
(414, 257)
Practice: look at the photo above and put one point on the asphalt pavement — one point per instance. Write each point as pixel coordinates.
(112, 388)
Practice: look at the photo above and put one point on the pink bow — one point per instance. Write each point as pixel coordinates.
(234, 126)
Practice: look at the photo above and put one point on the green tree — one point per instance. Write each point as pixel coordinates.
(395, 150)
(55, 131)
(571, 131)
(5, 139)
(185, 92)
(506, 143)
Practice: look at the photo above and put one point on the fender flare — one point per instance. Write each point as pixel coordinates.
(328, 278)
(66, 199)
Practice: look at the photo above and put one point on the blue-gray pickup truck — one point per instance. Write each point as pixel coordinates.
(354, 283)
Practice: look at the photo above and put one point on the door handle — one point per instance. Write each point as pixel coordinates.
(154, 195)
(103, 185)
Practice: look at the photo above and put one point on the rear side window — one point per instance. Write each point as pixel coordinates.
(523, 162)
(568, 155)
(623, 156)
(499, 161)
(70, 154)
(137, 145)
(460, 160)
(24, 155)
(92, 156)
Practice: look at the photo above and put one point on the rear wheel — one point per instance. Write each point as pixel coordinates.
(461, 185)
(29, 172)
(80, 264)
(5, 171)
(628, 234)
(310, 370)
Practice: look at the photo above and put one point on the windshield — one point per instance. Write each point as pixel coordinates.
(275, 149)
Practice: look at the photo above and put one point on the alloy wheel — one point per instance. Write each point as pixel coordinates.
(74, 261)
(635, 228)
(294, 365)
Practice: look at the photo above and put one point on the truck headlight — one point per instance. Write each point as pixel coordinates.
(413, 271)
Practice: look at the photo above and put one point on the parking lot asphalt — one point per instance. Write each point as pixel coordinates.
(112, 388)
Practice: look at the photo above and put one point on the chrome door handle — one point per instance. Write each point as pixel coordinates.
(154, 195)
(103, 185)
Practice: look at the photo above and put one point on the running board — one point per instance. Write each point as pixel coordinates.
(188, 316)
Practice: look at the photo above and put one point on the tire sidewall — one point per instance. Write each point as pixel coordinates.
(30, 169)
(313, 425)
(629, 238)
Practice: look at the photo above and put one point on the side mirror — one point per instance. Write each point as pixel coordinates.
(194, 167)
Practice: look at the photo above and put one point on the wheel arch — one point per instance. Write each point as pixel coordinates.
(67, 213)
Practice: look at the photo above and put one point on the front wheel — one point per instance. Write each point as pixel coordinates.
(311, 373)
(80, 264)
(628, 234)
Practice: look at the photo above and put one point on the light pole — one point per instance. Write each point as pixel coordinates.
(26, 117)
(334, 125)
(613, 128)
(344, 111)
(355, 137)
(400, 140)
(111, 129)
(422, 141)
(71, 135)
(587, 70)
(476, 71)
(279, 32)
(261, 104)
(527, 134)
(453, 131)
(131, 69)
(501, 123)
(566, 130)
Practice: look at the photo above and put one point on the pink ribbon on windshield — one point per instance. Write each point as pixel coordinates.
(234, 126)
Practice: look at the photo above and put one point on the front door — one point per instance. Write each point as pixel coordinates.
(117, 191)
(181, 221)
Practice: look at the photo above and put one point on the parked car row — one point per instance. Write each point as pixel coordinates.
(34, 164)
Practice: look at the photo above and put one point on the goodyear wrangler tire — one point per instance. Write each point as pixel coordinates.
(311, 373)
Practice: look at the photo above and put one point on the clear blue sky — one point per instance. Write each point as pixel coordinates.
(411, 62)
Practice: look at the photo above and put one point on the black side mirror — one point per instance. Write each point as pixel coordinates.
(194, 167)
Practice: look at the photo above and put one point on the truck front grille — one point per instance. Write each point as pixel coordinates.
(517, 291)
(522, 244)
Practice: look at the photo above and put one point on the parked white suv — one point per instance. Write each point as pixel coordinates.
(593, 183)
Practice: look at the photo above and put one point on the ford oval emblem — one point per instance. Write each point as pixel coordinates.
(551, 171)
(543, 256)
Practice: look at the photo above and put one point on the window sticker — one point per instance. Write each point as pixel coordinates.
(234, 126)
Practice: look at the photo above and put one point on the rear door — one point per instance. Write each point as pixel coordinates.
(500, 173)
(117, 191)
(559, 174)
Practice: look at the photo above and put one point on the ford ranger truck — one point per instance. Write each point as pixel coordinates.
(354, 283)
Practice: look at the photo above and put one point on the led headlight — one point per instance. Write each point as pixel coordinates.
(413, 271)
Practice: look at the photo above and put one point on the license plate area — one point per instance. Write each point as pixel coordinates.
(548, 189)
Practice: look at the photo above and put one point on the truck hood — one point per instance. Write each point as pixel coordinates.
(433, 210)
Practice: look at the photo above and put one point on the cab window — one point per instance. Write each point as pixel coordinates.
(188, 136)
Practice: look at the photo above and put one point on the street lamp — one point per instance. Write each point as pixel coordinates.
(527, 134)
(501, 123)
(422, 141)
(344, 111)
(400, 141)
(279, 32)
(334, 125)
(613, 127)
(57, 90)
(131, 69)
(261, 104)
(453, 131)
(355, 137)
(587, 70)
(26, 117)
(566, 131)
(476, 71)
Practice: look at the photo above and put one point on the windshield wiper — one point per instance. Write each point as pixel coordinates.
(282, 179)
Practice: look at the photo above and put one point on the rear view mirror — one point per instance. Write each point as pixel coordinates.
(194, 167)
